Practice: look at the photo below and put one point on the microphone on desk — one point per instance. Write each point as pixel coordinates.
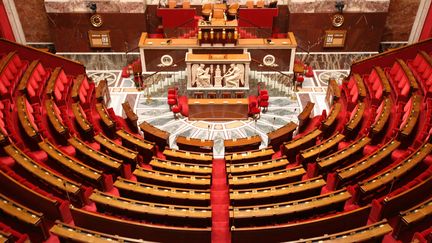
(269, 41)
(169, 41)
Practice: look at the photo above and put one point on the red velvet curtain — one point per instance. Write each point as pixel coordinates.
(5, 27)
(427, 26)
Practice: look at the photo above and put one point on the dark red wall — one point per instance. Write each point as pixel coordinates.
(70, 30)
(364, 30)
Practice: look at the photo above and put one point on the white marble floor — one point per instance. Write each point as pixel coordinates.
(154, 109)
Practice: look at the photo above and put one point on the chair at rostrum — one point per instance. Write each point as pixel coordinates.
(232, 10)
(218, 14)
(176, 110)
(211, 95)
(172, 3)
(206, 10)
(250, 4)
(186, 4)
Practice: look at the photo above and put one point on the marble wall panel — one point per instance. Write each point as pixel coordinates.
(103, 62)
(103, 6)
(334, 61)
(324, 6)
(400, 20)
(33, 19)
(70, 31)
(364, 31)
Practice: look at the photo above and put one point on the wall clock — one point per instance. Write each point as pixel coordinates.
(337, 20)
(96, 20)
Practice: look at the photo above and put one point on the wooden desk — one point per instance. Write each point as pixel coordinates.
(39, 200)
(24, 118)
(409, 74)
(266, 179)
(131, 117)
(213, 32)
(305, 229)
(73, 233)
(55, 119)
(282, 134)
(81, 118)
(384, 81)
(413, 117)
(154, 134)
(32, 222)
(102, 92)
(374, 232)
(107, 121)
(292, 147)
(186, 156)
(218, 109)
(162, 194)
(360, 167)
(332, 117)
(81, 170)
(118, 150)
(338, 158)
(194, 144)
(379, 124)
(170, 179)
(360, 86)
(250, 156)
(257, 167)
(279, 193)
(101, 160)
(138, 144)
(357, 117)
(242, 144)
(180, 167)
(22, 84)
(76, 86)
(417, 213)
(49, 89)
(304, 116)
(279, 212)
(154, 212)
(53, 180)
(396, 172)
(310, 154)
(394, 204)
(138, 230)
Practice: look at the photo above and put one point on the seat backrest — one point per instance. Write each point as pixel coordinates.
(260, 4)
(172, 3)
(218, 14)
(207, 6)
(234, 6)
(186, 4)
(249, 4)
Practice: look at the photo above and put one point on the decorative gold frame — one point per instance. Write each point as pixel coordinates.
(99, 38)
(334, 38)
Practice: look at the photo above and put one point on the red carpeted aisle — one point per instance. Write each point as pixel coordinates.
(219, 195)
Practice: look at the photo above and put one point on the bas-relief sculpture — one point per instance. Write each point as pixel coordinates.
(233, 76)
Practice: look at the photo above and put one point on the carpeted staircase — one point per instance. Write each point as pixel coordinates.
(219, 196)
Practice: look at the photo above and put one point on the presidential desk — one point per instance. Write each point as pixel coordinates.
(218, 109)
(152, 50)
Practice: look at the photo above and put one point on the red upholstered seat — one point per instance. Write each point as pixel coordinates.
(300, 78)
(176, 109)
(172, 102)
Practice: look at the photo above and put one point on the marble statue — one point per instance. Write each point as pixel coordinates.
(218, 77)
(232, 76)
(202, 77)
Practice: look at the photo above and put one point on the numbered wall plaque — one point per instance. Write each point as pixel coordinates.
(99, 38)
(335, 38)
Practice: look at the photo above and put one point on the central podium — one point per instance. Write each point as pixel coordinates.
(218, 109)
